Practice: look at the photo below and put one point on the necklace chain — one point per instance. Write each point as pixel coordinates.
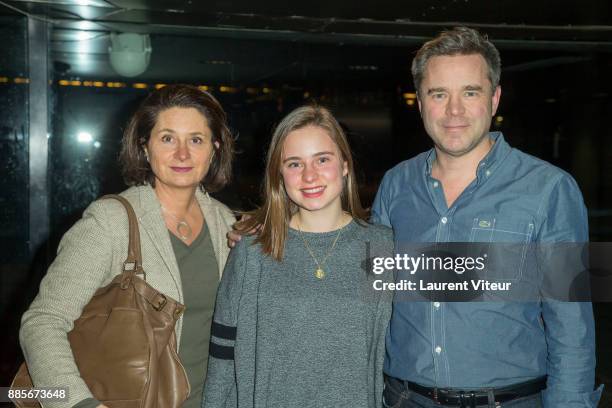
(319, 273)
(182, 227)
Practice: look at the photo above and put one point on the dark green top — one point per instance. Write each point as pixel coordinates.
(200, 277)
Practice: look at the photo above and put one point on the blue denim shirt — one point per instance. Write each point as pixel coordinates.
(516, 197)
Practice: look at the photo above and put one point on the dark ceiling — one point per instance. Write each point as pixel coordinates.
(253, 41)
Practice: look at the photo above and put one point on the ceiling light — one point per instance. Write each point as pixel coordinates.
(130, 53)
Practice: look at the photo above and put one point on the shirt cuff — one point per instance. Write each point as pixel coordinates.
(552, 397)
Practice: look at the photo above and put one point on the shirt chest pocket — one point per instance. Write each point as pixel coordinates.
(506, 240)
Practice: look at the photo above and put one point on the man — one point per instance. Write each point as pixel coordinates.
(472, 186)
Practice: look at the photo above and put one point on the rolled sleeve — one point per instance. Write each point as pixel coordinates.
(570, 337)
(569, 326)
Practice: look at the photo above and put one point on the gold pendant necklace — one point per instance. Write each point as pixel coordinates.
(183, 229)
(320, 272)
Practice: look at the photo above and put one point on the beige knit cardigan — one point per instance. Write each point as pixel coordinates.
(90, 254)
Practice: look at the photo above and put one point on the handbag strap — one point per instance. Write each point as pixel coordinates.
(133, 263)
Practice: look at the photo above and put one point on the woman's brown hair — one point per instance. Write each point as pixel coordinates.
(274, 215)
(135, 168)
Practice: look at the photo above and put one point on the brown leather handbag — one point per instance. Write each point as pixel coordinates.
(124, 343)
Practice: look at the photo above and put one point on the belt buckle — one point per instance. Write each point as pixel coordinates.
(473, 399)
(470, 400)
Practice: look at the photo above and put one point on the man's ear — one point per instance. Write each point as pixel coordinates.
(495, 100)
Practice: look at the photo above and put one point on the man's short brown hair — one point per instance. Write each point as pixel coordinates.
(458, 41)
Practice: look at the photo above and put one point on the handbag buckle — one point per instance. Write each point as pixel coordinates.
(134, 267)
(162, 302)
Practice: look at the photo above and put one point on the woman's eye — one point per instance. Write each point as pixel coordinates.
(293, 165)
(197, 140)
(166, 138)
(323, 159)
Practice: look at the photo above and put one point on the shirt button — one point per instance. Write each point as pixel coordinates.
(438, 349)
(444, 220)
(435, 184)
(436, 305)
(488, 173)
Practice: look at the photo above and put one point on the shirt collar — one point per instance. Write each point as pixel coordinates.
(488, 164)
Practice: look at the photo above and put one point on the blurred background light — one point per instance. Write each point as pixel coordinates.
(84, 137)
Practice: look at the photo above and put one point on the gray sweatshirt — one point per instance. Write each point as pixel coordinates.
(282, 337)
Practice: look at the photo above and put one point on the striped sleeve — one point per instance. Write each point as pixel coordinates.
(220, 333)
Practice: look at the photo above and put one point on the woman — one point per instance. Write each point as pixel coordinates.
(176, 148)
(297, 323)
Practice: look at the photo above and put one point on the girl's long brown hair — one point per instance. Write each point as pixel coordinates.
(273, 217)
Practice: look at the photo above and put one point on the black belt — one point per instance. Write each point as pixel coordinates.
(472, 398)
